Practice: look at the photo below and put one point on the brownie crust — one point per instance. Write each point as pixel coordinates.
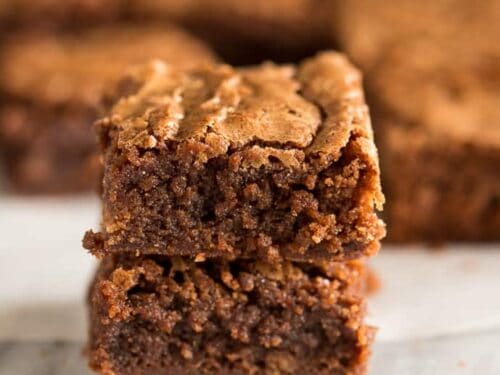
(51, 88)
(164, 315)
(271, 162)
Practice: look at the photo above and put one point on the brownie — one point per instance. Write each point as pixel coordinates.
(50, 91)
(366, 29)
(275, 162)
(437, 115)
(169, 315)
(17, 14)
(249, 31)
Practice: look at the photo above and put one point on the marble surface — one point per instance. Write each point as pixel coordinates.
(438, 310)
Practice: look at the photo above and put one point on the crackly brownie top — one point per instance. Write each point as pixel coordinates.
(58, 69)
(442, 87)
(313, 108)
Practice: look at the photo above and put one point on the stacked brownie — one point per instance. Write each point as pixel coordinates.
(238, 205)
(51, 87)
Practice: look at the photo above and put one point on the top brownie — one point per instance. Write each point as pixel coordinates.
(271, 162)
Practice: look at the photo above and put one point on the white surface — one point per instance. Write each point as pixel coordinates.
(43, 268)
(475, 353)
(433, 306)
(431, 293)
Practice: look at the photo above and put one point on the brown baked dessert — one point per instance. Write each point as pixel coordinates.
(269, 161)
(168, 315)
(51, 87)
(56, 13)
(249, 31)
(366, 29)
(438, 119)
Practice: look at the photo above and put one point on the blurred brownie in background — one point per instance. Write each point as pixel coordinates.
(432, 73)
(249, 31)
(366, 29)
(19, 14)
(51, 88)
(176, 316)
(437, 112)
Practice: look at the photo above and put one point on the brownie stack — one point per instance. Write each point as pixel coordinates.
(238, 205)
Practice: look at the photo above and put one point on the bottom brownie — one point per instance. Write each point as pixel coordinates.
(170, 315)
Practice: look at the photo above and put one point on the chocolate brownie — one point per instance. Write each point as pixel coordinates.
(437, 114)
(269, 161)
(51, 87)
(170, 315)
(55, 13)
(249, 31)
(366, 29)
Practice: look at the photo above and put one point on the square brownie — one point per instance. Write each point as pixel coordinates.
(171, 315)
(440, 150)
(274, 162)
(51, 87)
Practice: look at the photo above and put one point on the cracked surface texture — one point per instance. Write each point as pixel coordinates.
(269, 161)
(159, 315)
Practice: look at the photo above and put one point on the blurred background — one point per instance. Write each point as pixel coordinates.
(432, 80)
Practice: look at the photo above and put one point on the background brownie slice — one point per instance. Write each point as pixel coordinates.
(270, 161)
(248, 31)
(56, 13)
(438, 118)
(169, 315)
(366, 29)
(51, 87)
